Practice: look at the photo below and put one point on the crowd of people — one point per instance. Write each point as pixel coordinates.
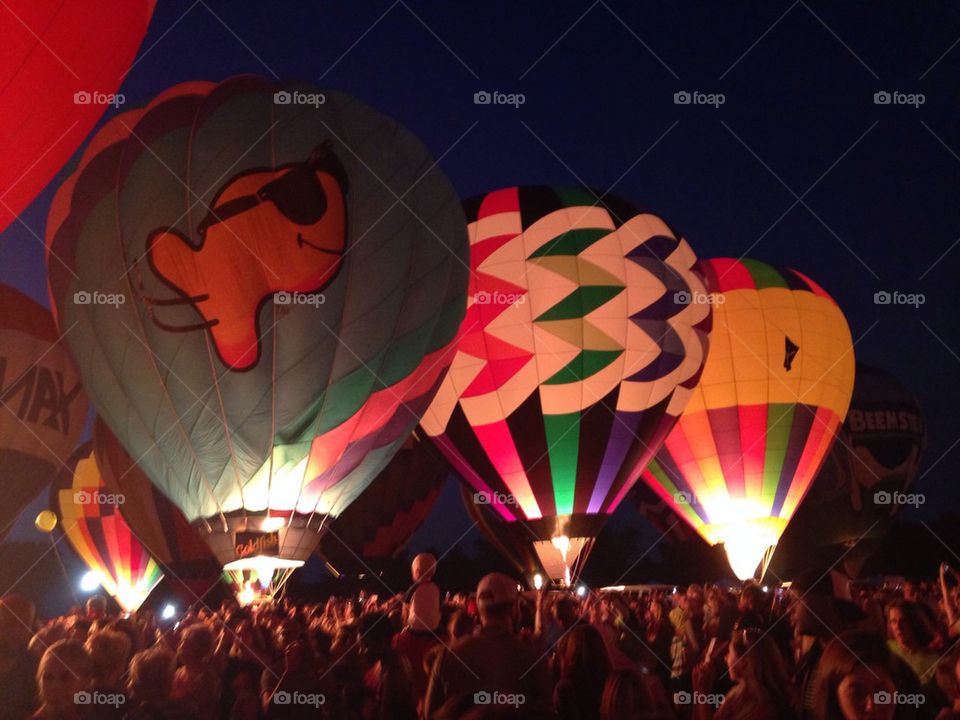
(702, 652)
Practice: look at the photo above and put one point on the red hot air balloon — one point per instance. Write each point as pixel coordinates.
(61, 63)
(42, 403)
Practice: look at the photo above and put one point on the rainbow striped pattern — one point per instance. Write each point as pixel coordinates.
(774, 391)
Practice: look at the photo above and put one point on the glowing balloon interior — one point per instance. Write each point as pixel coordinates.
(776, 386)
(273, 320)
(91, 520)
(576, 356)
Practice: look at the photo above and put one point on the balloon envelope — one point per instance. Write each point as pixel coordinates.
(42, 404)
(260, 320)
(577, 354)
(774, 391)
(61, 62)
(91, 520)
(380, 523)
(869, 472)
(185, 558)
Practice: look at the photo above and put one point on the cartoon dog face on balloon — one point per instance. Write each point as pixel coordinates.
(266, 231)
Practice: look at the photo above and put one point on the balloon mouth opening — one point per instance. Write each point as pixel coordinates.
(263, 563)
(560, 557)
(747, 547)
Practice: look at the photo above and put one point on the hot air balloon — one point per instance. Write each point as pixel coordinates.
(774, 391)
(42, 404)
(867, 476)
(267, 280)
(61, 63)
(187, 562)
(379, 523)
(90, 518)
(578, 352)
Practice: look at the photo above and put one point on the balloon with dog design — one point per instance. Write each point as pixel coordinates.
(260, 321)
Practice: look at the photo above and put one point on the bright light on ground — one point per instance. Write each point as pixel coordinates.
(90, 581)
(168, 612)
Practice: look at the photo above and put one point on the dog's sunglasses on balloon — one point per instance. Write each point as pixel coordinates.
(297, 194)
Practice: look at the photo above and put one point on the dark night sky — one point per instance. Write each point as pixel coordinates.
(798, 167)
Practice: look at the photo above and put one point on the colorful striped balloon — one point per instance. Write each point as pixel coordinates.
(577, 354)
(774, 391)
(90, 517)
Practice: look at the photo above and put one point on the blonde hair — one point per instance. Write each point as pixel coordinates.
(151, 674)
(69, 654)
(109, 650)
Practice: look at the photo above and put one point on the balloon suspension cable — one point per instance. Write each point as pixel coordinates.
(765, 563)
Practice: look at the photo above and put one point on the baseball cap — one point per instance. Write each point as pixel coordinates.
(496, 589)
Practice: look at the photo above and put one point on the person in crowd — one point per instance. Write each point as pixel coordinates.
(197, 681)
(909, 640)
(421, 612)
(948, 680)
(761, 685)
(583, 669)
(96, 608)
(18, 665)
(389, 690)
(752, 607)
(298, 684)
(629, 695)
(860, 679)
(109, 652)
(64, 678)
(150, 685)
(815, 623)
(493, 663)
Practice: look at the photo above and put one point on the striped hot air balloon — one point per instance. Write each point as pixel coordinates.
(774, 391)
(188, 564)
(90, 518)
(259, 320)
(578, 353)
